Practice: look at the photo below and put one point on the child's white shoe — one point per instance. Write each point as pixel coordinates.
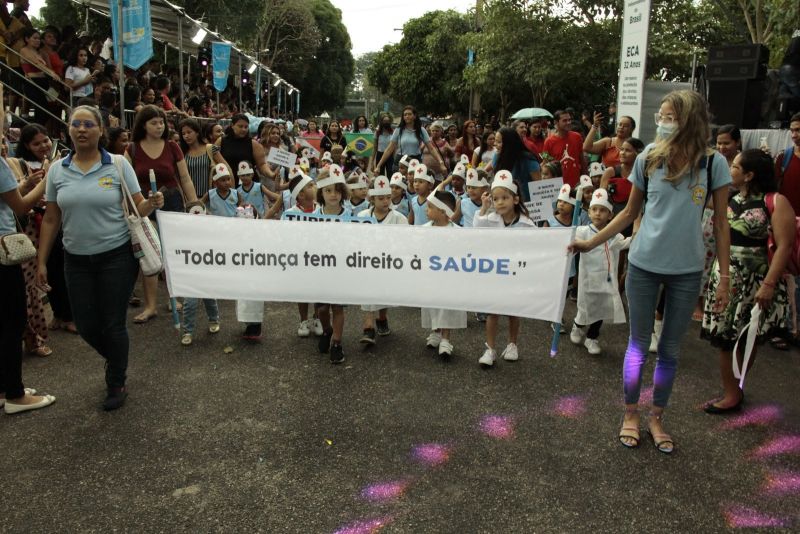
(302, 330)
(593, 346)
(213, 327)
(316, 327)
(445, 348)
(510, 354)
(488, 358)
(576, 335)
(433, 341)
(186, 340)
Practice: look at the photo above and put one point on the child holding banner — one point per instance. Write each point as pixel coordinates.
(598, 286)
(423, 185)
(357, 202)
(252, 193)
(509, 212)
(470, 202)
(440, 207)
(380, 196)
(400, 200)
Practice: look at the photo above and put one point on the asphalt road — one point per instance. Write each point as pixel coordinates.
(273, 438)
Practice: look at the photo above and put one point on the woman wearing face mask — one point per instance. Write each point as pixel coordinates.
(672, 176)
(608, 147)
(383, 136)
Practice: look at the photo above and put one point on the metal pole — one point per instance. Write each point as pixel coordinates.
(120, 64)
(86, 13)
(694, 66)
(180, 59)
(239, 77)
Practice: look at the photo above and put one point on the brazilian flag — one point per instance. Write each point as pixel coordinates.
(360, 144)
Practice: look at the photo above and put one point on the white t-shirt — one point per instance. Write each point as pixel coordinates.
(487, 156)
(77, 74)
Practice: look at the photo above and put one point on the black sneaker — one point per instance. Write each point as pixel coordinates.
(337, 355)
(383, 327)
(369, 336)
(325, 342)
(115, 398)
(252, 332)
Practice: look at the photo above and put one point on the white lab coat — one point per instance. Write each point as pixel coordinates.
(598, 287)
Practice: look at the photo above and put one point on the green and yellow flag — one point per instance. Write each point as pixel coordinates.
(360, 145)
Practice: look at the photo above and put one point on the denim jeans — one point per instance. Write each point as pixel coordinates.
(642, 289)
(13, 316)
(190, 312)
(99, 287)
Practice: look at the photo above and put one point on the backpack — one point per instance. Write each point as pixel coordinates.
(619, 188)
(793, 264)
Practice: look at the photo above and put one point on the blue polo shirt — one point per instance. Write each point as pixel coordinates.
(7, 183)
(670, 238)
(407, 142)
(91, 203)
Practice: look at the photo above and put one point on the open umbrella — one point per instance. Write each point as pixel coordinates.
(532, 113)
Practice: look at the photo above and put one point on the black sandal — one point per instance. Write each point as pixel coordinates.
(779, 343)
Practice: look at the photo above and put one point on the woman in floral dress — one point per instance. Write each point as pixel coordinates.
(754, 280)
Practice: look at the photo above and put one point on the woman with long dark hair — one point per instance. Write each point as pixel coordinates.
(361, 125)
(468, 141)
(333, 136)
(383, 136)
(408, 140)
(511, 155)
(200, 155)
(237, 146)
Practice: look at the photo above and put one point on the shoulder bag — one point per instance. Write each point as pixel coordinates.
(144, 238)
(16, 248)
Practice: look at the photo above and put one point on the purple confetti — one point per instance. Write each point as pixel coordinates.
(431, 454)
(777, 446)
(739, 517)
(646, 394)
(384, 491)
(571, 406)
(497, 426)
(757, 416)
(365, 526)
(782, 483)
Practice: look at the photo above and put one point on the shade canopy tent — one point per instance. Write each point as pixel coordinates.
(173, 27)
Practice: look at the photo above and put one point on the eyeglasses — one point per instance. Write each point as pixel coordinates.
(666, 119)
(86, 124)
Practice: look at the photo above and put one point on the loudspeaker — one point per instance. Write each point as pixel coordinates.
(736, 102)
(738, 62)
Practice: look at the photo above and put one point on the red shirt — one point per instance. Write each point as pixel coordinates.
(573, 144)
(790, 184)
(165, 166)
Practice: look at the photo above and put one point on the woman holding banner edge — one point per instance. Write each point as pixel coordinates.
(672, 175)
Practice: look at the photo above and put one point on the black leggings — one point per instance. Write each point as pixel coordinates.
(13, 317)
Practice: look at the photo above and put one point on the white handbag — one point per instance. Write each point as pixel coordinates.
(144, 237)
(16, 248)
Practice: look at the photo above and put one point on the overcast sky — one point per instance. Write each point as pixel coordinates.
(371, 24)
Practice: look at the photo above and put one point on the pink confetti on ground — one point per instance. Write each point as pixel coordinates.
(431, 454)
(384, 491)
(764, 415)
(739, 517)
(777, 446)
(365, 526)
(571, 406)
(497, 426)
(646, 394)
(782, 483)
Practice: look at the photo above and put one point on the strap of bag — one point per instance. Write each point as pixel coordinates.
(127, 197)
(787, 159)
(750, 341)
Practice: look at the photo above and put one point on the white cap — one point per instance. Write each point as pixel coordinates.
(421, 173)
(600, 198)
(436, 203)
(244, 168)
(220, 170)
(301, 185)
(303, 162)
(413, 164)
(305, 153)
(506, 180)
(585, 182)
(464, 159)
(563, 195)
(335, 176)
(474, 180)
(404, 160)
(294, 171)
(596, 168)
(460, 170)
(399, 181)
(327, 157)
(380, 186)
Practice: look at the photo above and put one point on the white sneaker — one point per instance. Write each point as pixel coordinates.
(303, 330)
(488, 358)
(433, 341)
(593, 346)
(510, 353)
(186, 340)
(316, 326)
(213, 327)
(576, 334)
(445, 348)
(656, 336)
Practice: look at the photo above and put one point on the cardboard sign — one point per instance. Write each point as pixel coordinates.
(543, 194)
(281, 157)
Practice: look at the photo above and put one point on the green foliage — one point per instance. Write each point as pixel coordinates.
(61, 13)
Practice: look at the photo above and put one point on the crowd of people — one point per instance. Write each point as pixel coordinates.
(710, 203)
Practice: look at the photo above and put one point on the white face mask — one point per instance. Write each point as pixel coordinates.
(665, 130)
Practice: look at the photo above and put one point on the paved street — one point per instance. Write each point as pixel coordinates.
(273, 438)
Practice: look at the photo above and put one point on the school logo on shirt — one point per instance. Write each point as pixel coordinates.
(106, 182)
(698, 195)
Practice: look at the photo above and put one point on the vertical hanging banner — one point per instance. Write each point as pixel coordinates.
(633, 58)
(137, 34)
(220, 63)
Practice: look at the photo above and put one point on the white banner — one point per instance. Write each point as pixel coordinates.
(282, 158)
(543, 194)
(633, 59)
(511, 272)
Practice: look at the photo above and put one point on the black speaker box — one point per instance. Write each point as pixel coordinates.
(737, 62)
(736, 102)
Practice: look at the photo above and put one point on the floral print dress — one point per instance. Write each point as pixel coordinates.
(749, 222)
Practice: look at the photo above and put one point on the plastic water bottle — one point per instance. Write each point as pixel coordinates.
(240, 212)
(248, 212)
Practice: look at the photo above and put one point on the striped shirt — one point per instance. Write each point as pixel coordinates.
(200, 170)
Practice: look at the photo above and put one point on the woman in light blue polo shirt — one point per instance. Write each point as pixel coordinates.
(408, 139)
(84, 197)
(671, 177)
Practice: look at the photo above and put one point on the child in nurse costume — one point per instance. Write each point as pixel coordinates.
(598, 287)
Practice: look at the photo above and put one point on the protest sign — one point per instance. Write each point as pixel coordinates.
(280, 157)
(522, 272)
(543, 194)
